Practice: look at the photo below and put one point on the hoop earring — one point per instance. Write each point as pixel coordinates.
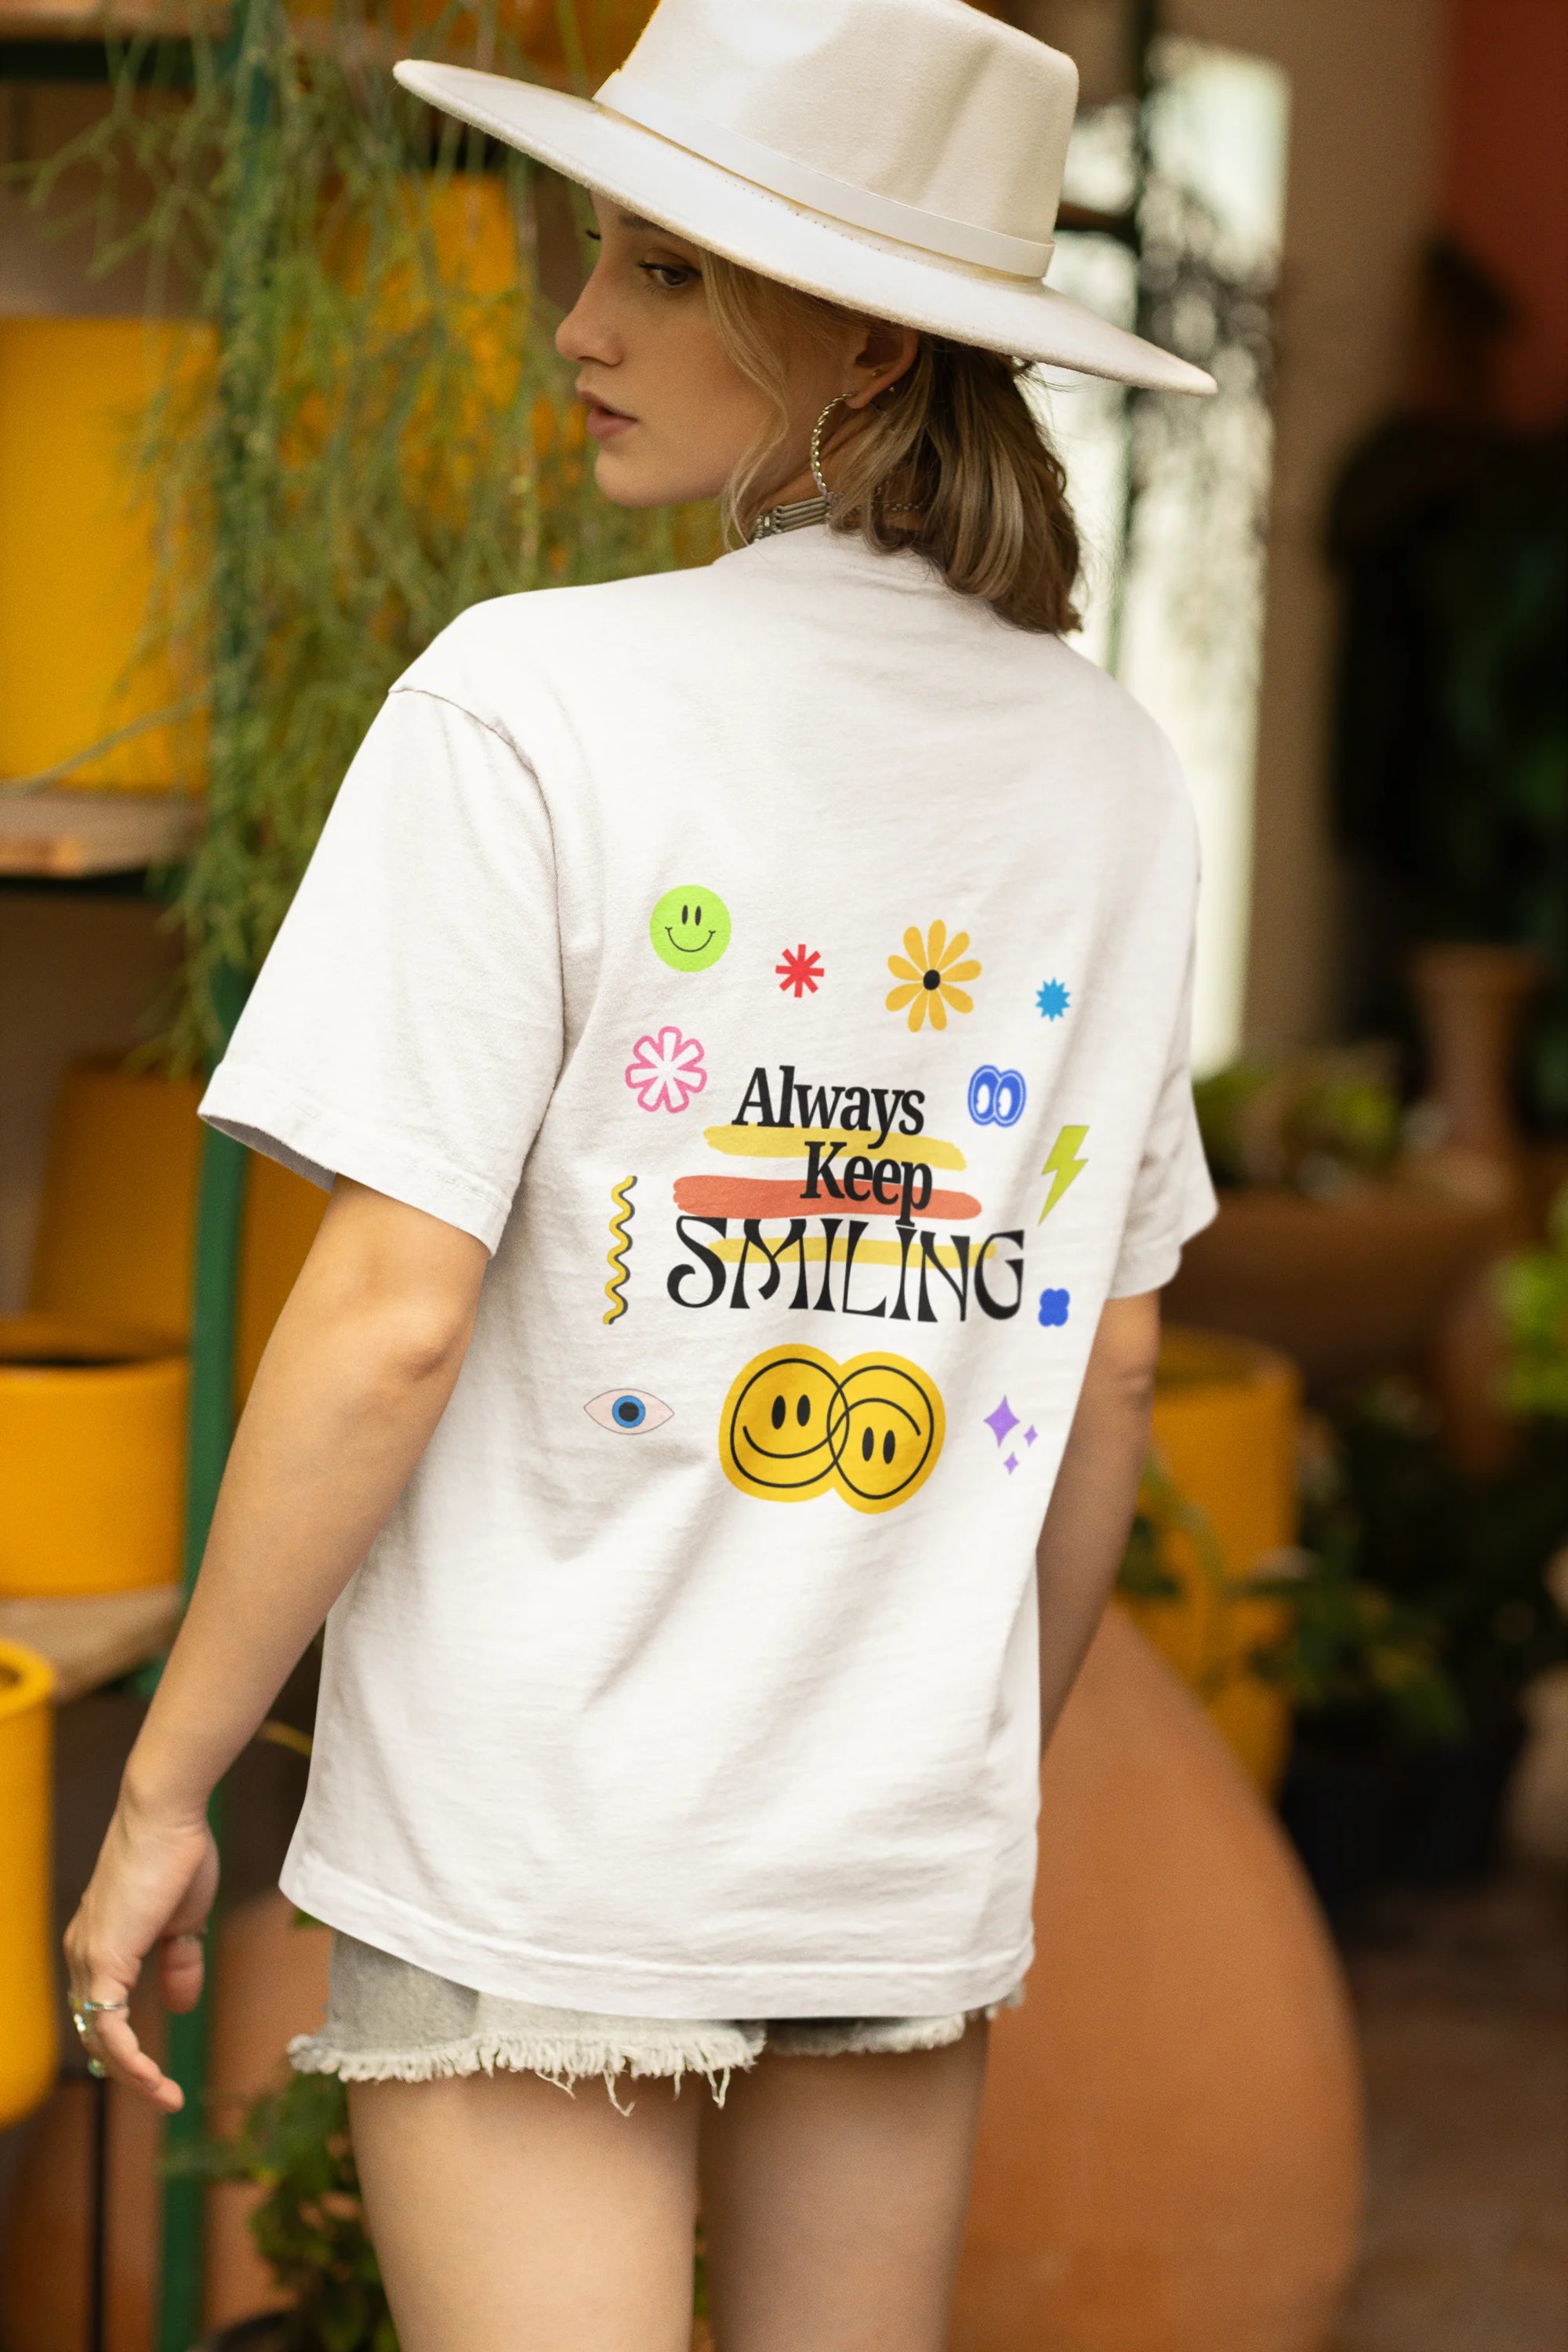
(836, 401)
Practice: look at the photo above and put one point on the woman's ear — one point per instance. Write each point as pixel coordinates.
(887, 351)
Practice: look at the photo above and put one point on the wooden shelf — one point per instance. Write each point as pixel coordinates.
(66, 837)
(88, 20)
(93, 1641)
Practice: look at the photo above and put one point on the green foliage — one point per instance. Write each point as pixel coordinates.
(1461, 1559)
(374, 432)
(310, 2223)
(1163, 1513)
(1316, 1121)
(1348, 1650)
(1534, 1293)
(1354, 1655)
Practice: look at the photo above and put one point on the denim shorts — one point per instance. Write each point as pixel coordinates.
(389, 2022)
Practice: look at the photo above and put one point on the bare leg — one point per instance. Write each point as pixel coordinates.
(833, 2196)
(508, 2213)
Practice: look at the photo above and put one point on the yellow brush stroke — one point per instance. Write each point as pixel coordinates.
(789, 1143)
(617, 1254)
(868, 1253)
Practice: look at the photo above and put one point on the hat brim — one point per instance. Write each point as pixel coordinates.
(865, 272)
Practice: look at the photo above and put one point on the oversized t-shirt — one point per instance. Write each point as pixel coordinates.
(783, 968)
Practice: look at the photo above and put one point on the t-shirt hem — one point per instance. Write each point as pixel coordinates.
(320, 1144)
(620, 1985)
(1152, 1266)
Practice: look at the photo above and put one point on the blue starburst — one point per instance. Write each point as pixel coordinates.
(1053, 1000)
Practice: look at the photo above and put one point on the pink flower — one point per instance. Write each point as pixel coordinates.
(666, 1071)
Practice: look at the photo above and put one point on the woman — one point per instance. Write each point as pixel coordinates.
(742, 1016)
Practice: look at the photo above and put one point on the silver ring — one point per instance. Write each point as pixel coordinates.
(98, 2070)
(84, 2011)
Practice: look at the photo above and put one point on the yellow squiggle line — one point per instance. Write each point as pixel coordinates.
(617, 1254)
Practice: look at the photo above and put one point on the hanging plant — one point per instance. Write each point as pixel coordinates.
(367, 428)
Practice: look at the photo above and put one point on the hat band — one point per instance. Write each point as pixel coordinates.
(783, 175)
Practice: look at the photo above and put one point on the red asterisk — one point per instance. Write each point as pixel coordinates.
(800, 970)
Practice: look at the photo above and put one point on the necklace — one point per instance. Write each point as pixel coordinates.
(795, 516)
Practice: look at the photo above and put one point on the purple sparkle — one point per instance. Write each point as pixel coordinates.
(1000, 1422)
(1030, 1435)
(1011, 1463)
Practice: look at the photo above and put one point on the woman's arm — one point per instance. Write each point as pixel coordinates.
(1090, 1513)
(355, 1377)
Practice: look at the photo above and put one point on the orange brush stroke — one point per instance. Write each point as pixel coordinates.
(781, 1196)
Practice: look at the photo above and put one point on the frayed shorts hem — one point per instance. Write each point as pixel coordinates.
(390, 2021)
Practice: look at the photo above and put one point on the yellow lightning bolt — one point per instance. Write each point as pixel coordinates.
(1064, 1167)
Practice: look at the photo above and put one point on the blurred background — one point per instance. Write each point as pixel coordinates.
(278, 399)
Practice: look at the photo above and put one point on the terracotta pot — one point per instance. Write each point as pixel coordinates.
(1170, 2150)
(1472, 1001)
(271, 1984)
(1345, 1286)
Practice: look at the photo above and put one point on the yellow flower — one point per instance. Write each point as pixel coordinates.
(926, 981)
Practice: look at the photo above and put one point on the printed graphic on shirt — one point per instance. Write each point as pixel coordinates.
(1054, 1306)
(867, 1160)
(1002, 1422)
(690, 928)
(1063, 1167)
(997, 1098)
(665, 1070)
(616, 1256)
(801, 969)
(629, 1410)
(1053, 1000)
(928, 973)
(797, 1424)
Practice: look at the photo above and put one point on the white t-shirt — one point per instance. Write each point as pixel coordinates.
(783, 968)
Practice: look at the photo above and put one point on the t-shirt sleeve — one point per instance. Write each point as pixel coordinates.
(1173, 1197)
(406, 1030)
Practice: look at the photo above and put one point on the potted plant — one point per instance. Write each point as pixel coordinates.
(308, 2224)
(1341, 1231)
(372, 430)
(293, 2146)
(1420, 1618)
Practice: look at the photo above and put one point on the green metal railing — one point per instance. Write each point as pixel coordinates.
(220, 1213)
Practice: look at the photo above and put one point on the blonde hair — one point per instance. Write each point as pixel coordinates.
(950, 461)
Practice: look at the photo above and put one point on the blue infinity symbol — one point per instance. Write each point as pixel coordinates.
(997, 1098)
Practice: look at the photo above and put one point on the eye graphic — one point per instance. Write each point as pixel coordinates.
(997, 1098)
(628, 1409)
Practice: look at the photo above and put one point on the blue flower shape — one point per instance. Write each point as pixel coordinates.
(1053, 1000)
(1054, 1304)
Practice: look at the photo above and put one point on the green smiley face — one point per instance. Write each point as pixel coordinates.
(690, 928)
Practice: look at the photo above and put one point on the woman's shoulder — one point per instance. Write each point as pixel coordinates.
(494, 647)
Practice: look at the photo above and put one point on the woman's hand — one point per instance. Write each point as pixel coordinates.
(355, 1377)
(154, 1884)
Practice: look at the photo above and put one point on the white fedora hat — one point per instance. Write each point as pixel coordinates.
(900, 157)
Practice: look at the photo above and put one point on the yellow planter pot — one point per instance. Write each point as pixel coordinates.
(115, 1233)
(1225, 1418)
(116, 1238)
(92, 1456)
(28, 2050)
(77, 555)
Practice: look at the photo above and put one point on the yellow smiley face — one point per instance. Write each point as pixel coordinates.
(796, 1424)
